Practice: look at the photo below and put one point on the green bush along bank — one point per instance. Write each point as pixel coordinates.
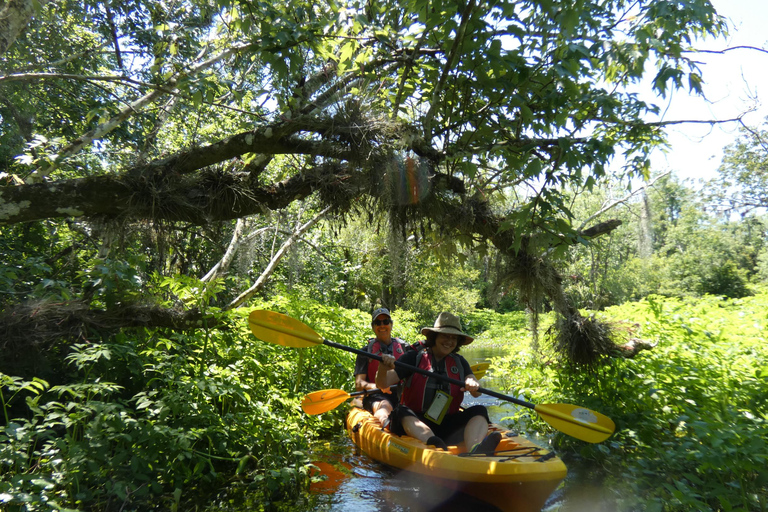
(165, 421)
(691, 413)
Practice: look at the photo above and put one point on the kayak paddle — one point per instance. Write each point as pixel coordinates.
(576, 421)
(326, 400)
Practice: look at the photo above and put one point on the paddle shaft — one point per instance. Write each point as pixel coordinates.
(369, 391)
(430, 374)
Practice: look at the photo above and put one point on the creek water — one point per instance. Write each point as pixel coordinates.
(354, 482)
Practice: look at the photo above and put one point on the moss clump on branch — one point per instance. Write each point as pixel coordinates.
(583, 342)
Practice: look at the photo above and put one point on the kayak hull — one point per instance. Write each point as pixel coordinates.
(520, 477)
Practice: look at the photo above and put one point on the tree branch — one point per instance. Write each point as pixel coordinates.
(199, 199)
(226, 260)
(14, 17)
(740, 47)
(269, 270)
(617, 202)
(133, 108)
(452, 56)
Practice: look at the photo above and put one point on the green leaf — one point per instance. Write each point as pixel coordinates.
(533, 168)
(197, 97)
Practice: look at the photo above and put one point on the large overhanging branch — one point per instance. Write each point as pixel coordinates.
(199, 199)
(271, 140)
(473, 217)
(194, 198)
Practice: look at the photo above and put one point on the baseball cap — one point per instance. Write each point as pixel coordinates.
(380, 311)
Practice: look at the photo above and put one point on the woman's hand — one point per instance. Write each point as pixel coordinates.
(471, 385)
(388, 361)
(371, 386)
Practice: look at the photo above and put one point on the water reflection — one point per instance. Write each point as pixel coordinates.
(329, 476)
(357, 483)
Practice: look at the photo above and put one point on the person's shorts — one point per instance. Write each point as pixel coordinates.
(451, 430)
(373, 398)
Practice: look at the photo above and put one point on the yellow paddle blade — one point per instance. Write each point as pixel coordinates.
(282, 330)
(479, 369)
(326, 400)
(577, 421)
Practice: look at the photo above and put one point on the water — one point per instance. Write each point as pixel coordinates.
(357, 483)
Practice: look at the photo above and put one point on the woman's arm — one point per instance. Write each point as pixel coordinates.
(362, 384)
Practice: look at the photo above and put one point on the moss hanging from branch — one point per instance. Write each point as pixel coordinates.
(582, 342)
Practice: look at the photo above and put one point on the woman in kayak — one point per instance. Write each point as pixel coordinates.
(429, 408)
(378, 402)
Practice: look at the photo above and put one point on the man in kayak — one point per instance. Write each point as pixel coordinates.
(379, 402)
(429, 406)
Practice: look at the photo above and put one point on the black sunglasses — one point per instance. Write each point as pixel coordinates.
(386, 321)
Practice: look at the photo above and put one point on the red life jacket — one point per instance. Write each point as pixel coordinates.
(420, 389)
(374, 347)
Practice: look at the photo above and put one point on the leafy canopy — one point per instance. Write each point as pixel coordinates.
(498, 94)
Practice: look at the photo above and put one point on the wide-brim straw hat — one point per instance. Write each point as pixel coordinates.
(448, 323)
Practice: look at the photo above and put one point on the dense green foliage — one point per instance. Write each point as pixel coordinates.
(672, 243)
(157, 420)
(691, 413)
(162, 420)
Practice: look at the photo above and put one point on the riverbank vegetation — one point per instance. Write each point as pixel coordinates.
(691, 411)
(216, 418)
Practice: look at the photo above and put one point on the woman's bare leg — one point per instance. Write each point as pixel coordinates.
(475, 431)
(414, 427)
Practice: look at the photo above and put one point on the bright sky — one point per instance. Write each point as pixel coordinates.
(734, 81)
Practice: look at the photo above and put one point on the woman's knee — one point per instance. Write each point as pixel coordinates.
(477, 410)
(382, 405)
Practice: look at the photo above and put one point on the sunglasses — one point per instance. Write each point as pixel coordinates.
(382, 322)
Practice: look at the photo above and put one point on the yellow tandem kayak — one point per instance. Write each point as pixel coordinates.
(519, 477)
